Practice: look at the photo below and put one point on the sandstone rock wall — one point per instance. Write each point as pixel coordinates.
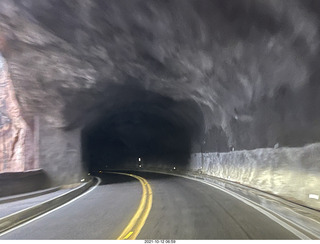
(252, 65)
(16, 138)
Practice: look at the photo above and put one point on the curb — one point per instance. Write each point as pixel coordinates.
(294, 214)
(28, 195)
(25, 215)
(301, 217)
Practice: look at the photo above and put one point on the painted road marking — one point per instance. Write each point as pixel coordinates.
(269, 213)
(129, 234)
(314, 196)
(135, 225)
(63, 205)
(257, 207)
(260, 209)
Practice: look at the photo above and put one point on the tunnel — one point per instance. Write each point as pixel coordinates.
(144, 129)
(213, 88)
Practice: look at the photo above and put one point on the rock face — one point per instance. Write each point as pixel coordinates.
(163, 78)
(15, 135)
(250, 65)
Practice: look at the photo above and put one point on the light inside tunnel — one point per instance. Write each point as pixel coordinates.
(146, 126)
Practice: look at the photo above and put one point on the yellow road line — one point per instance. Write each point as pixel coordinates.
(127, 236)
(136, 223)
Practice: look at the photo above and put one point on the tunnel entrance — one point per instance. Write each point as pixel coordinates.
(146, 131)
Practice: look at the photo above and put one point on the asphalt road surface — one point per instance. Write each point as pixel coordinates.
(182, 209)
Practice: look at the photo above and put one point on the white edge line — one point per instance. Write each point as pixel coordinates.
(42, 215)
(254, 205)
(260, 209)
(42, 202)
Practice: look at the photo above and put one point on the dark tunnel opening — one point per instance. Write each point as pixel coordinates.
(148, 130)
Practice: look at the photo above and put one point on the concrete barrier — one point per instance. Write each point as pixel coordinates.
(20, 217)
(13, 183)
(301, 218)
(291, 173)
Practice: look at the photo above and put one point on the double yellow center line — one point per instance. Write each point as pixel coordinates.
(136, 223)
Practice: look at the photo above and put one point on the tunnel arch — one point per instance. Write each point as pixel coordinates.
(156, 128)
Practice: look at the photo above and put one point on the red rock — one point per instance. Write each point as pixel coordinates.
(16, 152)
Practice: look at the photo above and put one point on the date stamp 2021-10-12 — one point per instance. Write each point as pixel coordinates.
(160, 241)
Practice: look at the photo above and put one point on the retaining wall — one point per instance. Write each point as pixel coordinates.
(291, 173)
(12, 183)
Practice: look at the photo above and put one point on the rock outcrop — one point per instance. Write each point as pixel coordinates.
(252, 66)
(15, 135)
(166, 79)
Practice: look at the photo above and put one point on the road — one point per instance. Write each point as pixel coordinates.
(182, 209)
